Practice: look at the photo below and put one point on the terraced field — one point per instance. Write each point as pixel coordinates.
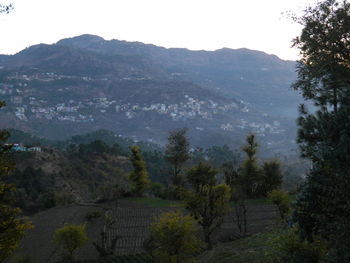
(132, 228)
(135, 258)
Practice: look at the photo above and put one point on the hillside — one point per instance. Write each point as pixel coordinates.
(253, 76)
(143, 91)
(132, 228)
(51, 177)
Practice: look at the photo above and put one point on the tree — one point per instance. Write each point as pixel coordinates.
(208, 204)
(6, 8)
(219, 155)
(174, 238)
(323, 207)
(200, 175)
(12, 225)
(70, 237)
(177, 153)
(250, 174)
(138, 176)
(271, 177)
(238, 196)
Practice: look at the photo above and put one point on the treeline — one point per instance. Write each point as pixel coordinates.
(97, 162)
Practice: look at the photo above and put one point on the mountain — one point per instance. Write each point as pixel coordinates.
(141, 91)
(253, 76)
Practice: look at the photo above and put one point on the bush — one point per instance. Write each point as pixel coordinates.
(70, 237)
(174, 238)
(92, 215)
(282, 201)
(287, 247)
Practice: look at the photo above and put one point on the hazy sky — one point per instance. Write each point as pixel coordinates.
(193, 24)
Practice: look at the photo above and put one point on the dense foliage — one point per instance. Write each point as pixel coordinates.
(206, 201)
(139, 178)
(70, 237)
(177, 153)
(174, 238)
(250, 170)
(12, 226)
(323, 206)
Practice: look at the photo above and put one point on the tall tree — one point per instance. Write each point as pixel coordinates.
(138, 176)
(207, 202)
(177, 153)
(208, 206)
(271, 176)
(250, 174)
(200, 175)
(12, 226)
(234, 179)
(323, 207)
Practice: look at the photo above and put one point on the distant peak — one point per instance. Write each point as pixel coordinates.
(89, 37)
(81, 38)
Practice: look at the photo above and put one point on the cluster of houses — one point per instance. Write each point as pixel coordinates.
(257, 128)
(20, 148)
(188, 108)
(84, 111)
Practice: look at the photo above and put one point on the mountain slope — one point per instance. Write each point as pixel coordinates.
(252, 76)
(143, 91)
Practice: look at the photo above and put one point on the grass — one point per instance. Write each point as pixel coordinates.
(252, 249)
(264, 200)
(156, 202)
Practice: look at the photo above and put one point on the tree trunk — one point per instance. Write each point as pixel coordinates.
(208, 240)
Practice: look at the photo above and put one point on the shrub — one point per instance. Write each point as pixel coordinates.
(70, 237)
(282, 201)
(92, 215)
(174, 238)
(287, 247)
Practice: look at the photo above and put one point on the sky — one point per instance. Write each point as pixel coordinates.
(193, 24)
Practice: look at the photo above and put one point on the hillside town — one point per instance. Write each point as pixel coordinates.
(26, 106)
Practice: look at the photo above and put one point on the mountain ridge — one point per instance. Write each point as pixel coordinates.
(228, 70)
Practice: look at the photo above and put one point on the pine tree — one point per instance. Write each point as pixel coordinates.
(323, 206)
(138, 176)
(271, 177)
(200, 175)
(250, 174)
(177, 153)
